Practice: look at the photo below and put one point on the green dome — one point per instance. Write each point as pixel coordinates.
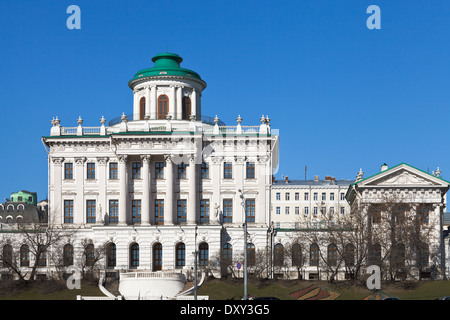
(166, 64)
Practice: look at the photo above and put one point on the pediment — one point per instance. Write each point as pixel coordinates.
(404, 176)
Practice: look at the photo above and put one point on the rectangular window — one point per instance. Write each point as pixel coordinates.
(315, 210)
(332, 196)
(287, 210)
(204, 211)
(90, 211)
(287, 196)
(113, 211)
(250, 210)
(297, 210)
(297, 196)
(324, 196)
(91, 170)
(181, 211)
(250, 170)
(306, 211)
(278, 210)
(306, 197)
(182, 171)
(68, 171)
(316, 196)
(227, 210)
(205, 170)
(159, 170)
(278, 196)
(159, 211)
(68, 211)
(113, 167)
(342, 210)
(331, 210)
(342, 196)
(136, 170)
(227, 170)
(136, 211)
(324, 210)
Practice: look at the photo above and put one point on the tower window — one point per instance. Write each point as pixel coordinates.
(186, 108)
(142, 108)
(163, 106)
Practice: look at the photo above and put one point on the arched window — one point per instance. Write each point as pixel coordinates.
(349, 255)
(68, 255)
(7, 255)
(163, 106)
(134, 255)
(332, 254)
(157, 256)
(42, 256)
(186, 108)
(24, 256)
(314, 255)
(142, 109)
(278, 255)
(375, 254)
(180, 255)
(296, 255)
(398, 256)
(203, 254)
(251, 255)
(423, 254)
(227, 254)
(90, 255)
(111, 255)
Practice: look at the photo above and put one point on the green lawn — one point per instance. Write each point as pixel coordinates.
(234, 290)
(46, 290)
(226, 290)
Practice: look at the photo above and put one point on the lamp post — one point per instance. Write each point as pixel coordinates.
(245, 244)
(195, 265)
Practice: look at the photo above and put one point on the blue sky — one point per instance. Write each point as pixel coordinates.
(342, 96)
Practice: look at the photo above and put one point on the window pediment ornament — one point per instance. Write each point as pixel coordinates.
(57, 160)
(122, 158)
(102, 160)
(80, 160)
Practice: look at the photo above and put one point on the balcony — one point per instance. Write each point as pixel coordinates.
(206, 125)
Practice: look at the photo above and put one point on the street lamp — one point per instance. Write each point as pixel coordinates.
(245, 245)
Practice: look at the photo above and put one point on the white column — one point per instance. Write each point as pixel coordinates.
(123, 198)
(78, 206)
(172, 102)
(153, 102)
(216, 203)
(146, 190)
(263, 175)
(135, 106)
(169, 199)
(101, 176)
(194, 102)
(179, 111)
(192, 200)
(147, 102)
(238, 173)
(58, 204)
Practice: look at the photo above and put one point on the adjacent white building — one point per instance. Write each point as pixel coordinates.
(296, 203)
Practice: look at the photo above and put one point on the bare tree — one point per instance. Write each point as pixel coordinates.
(28, 247)
(88, 258)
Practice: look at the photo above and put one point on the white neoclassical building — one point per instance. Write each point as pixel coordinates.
(296, 203)
(392, 219)
(159, 184)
